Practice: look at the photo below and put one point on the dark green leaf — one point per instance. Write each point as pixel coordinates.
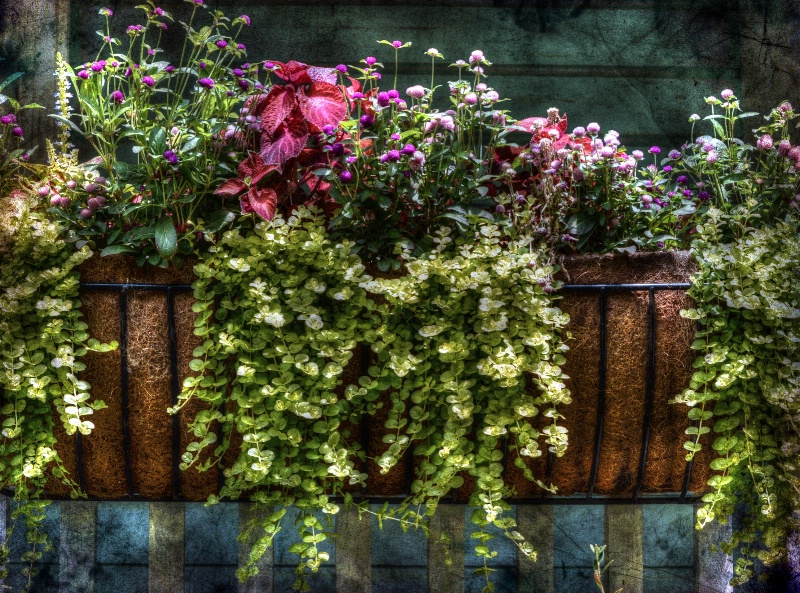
(166, 237)
(219, 219)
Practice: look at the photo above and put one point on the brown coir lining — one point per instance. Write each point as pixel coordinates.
(150, 387)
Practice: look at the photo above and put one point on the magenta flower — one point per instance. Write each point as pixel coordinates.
(134, 29)
(246, 19)
(370, 60)
(221, 43)
(346, 176)
(243, 84)
(169, 69)
(206, 83)
(593, 128)
(393, 156)
(237, 72)
(342, 68)
(171, 157)
(5, 120)
(106, 12)
(393, 94)
(17, 132)
(148, 81)
(416, 91)
(241, 46)
(383, 99)
(397, 44)
(654, 150)
(83, 74)
(366, 120)
(408, 149)
(97, 66)
(158, 11)
(117, 97)
(765, 142)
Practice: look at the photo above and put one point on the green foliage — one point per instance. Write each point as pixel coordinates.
(42, 339)
(465, 346)
(747, 380)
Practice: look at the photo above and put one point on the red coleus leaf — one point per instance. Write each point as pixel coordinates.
(254, 168)
(263, 202)
(286, 143)
(322, 104)
(293, 72)
(255, 104)
(278, 107)
(319, 74)
(231, 187)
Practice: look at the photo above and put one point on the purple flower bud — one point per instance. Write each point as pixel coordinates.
(117, 97)
(712, 156)
(106, 12)
(367, 120)
(593, 128)
(579, 132)
(667, 169)
(358, 95)
(148, 80)
(704, 196)
(726, 94)
(408, 149)
(674, 154)
(785, 106)
(85, 213)
(337, 149)
(221, 43)
(383, 99)
(246, 19)
(237, 72)
(500, 209)
(171, 157)
(765, 142)
(17, 131)
(97, 66)
(83, 74)
(243, 84)
(638, 155)
(342, 68)
(393, 156)
(397, 44)
(393, 94)
(784, 146)
(43, 191)
(241, 46)
(654, 150)
(346, 176)
(5, 120)
(370, 61)
(206, 83)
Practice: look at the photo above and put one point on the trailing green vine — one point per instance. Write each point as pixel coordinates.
(747, 381)
(466, 343)
(42, 339)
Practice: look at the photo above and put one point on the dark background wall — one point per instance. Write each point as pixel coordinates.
(638, 66)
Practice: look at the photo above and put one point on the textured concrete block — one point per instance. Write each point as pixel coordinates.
(399, 579)
(669, 579)
(446, 558)
(668, 535)
(122, 533)
(76, 547)
(323, 581)
(713, 570)
(503, 578)
(209, 579)
(211, 534)
(3, 526)
(111, 578)
(392, 547)
(536, 524)
(353, 552)
(574, 528)
(572, 580)
(624, 548)
(166, 547)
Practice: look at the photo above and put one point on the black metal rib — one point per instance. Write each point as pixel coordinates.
(80, 468)
(601, 395)
(175, 385)
(632, 287)
(123, 349)
(650, 382)
(134, 286)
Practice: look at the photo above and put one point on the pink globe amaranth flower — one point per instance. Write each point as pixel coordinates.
(148, 81)
(726, 94)
(245, 19)
(476, 56)
(654, 150)
(395, 136)
(370, 61)
(794, 153)
(607, 152)
(97, 66)
(393, 94)
(117, 97)
(85, 213)
(447, 123)
(221, 43)
(712, 156)
(241, 46)
(674, 154)
(579, 132)
(345, 176)
(638, 155)
(593, 128)
(134, 29)
(416, 92)
(341, 68)
(417, 160)
(471, 99)
(106, 12)
(401, 105)
(708, 147)
(357, 95)
(5, 120)
(784, 146)
(397, 44)
(765, 142)
(408, 149)
(84, 74)
(43, 191)
(785, 106)
(383, 99)
(206, 83)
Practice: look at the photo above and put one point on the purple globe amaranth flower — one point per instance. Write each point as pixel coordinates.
(393, 94)
(674, 154)
(579, 132)
(5, 120)
(785, 106)
(221, 43)
(682, 179)
(243, 84)
(708, 147)
(765, 142)
(98, 66)
(408, 149)
(17, 131)
(206, 83)
(393, 156)
(337, 149)
(667, 169)
(687, 192)
(638, 155)
(241, 46)
(345, 176)
(171, 156)
(397, 44)
(726, 94)
(712, 156)
(237, 72)
(106, 12)
(607, 152)
(654, 150)
(416, 92)
(476, 56)
(84, 74)
(117, 97)
(134, 29)
(357, 95)
(784, 146)
(383, 99)
(704, 196)
(370, 61)
(148, 81)
(366, 120)
(593, 128)
(246, 19)
(341, 68)
(377, 75)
